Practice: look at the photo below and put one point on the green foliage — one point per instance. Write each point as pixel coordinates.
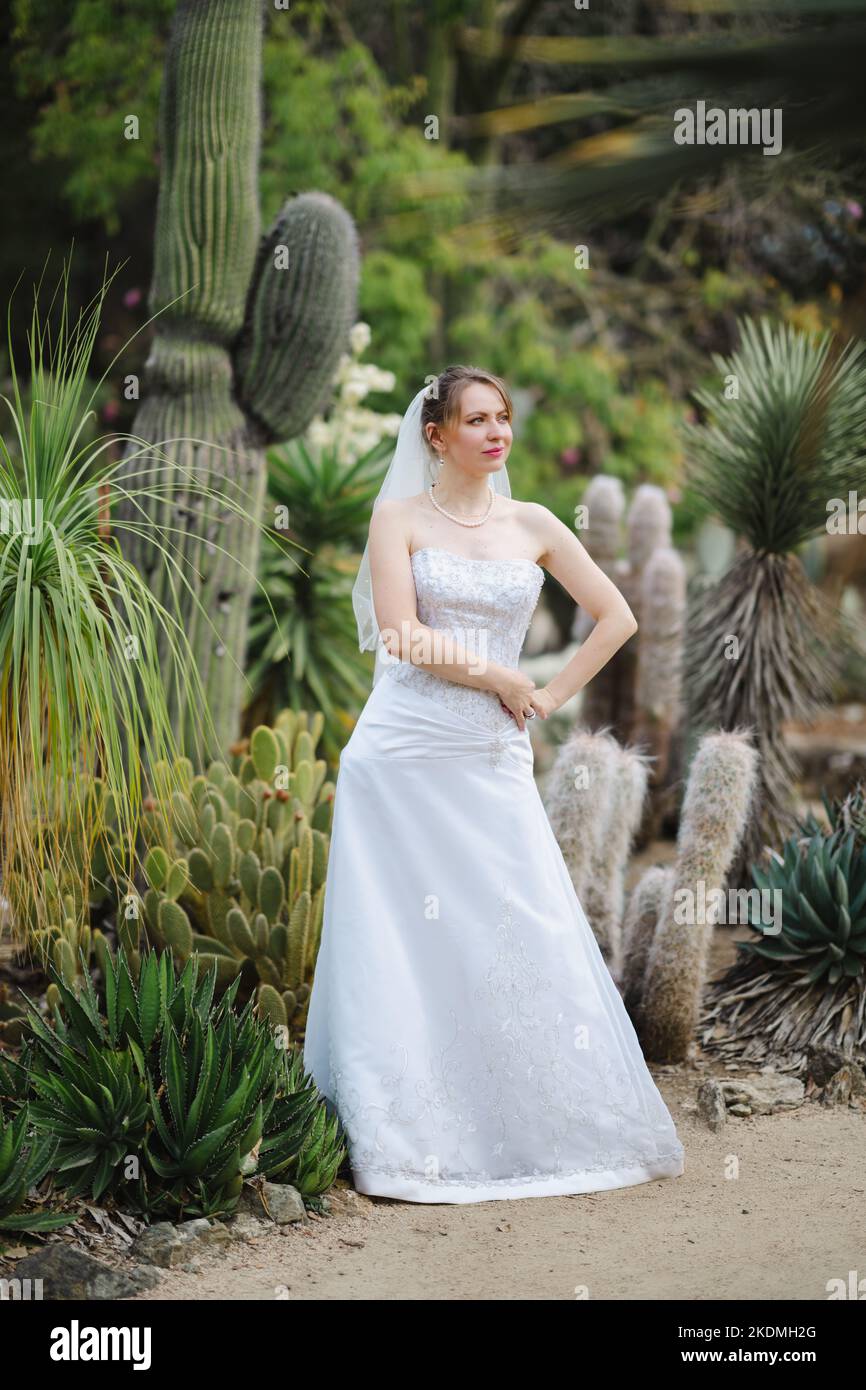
(25, 1158)
(83, 698)
(769, 459)
(164, 1099)
(86, 66)
(302, 1143)
(236, 865)
(823, 887)
(312, 658)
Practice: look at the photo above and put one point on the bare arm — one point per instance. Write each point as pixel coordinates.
(395, 602)
(567, 560)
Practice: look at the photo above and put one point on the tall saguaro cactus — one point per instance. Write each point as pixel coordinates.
(247, 350)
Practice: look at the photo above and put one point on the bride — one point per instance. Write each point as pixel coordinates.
(462, 1021)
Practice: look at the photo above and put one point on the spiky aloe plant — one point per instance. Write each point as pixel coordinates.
(25, 1158)
(84, 698)
(769, 460)
(302, 1144)
(175, 1081)
(246, 352)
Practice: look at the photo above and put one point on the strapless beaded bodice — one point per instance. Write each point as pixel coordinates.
(484, 604)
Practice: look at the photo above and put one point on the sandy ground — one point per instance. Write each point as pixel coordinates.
(793, 1218)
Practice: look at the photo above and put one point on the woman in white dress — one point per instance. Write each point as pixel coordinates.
(462, 1020)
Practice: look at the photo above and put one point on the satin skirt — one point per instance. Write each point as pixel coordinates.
(462, 1021)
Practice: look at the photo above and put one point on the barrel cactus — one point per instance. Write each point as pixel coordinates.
(236, 865)
(249, 336)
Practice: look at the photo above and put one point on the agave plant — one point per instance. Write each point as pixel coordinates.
(768, 461)
(312, 658)
(807, 983)
(823, 895)
(24, 1161)
(83, 697)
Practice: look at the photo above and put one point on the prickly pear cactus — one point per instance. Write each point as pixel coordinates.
(249, 335)
(236, 865)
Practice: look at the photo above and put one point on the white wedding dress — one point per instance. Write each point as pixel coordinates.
(462, 1020)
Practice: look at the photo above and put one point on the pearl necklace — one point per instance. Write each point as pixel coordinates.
(461, 521)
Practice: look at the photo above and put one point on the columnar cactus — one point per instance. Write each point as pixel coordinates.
(658, 685)
(248, 339)
(594, 799)
(648, 526)
(610, 698)
(604, 501)
(715, 812)
(604, 890)
(638, 928)
(237, 864)
(578, 796)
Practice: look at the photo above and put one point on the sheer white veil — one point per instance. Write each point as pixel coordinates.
(412, 469)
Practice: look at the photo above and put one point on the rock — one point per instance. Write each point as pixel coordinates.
(824, 1062)
(250, 1201)
(763, 1093)
(246, 1227)
(740, 1109)
(206, 1233)
(67, 1273)
(284, 1203)
(171, 1246)
(345, 1201)
(846, 1085)
(711, 1104)
(162, 1245)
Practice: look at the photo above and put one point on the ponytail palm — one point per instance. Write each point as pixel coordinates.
(82, 694)
(762, 642)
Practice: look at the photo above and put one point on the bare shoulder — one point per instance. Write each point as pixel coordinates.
(390, 515)
(550, 536)
(539, 521)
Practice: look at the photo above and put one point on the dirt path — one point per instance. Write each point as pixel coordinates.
(793, 1218)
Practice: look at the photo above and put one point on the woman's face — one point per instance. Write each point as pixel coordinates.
(479, 440)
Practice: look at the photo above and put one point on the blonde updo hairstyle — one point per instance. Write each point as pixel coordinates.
(441, 405)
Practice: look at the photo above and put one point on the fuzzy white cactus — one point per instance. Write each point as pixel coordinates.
(715, 812)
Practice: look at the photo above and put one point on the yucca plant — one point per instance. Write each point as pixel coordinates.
(807, 983)
(25, 1159)
(768, 461)
(322, 506)
(83, 698)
